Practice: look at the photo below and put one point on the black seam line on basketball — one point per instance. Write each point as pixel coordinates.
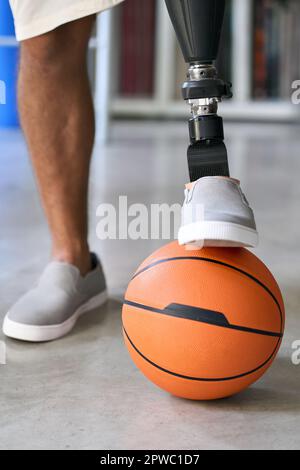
(168, 311)
(200, 379)
(214, 261)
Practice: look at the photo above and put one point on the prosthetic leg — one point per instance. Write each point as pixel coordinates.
(198, 25)
(225, 218)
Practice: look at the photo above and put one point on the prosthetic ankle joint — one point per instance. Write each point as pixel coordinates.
(207, 154)
(198, 25)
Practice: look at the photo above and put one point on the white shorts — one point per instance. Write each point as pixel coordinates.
(35, 17)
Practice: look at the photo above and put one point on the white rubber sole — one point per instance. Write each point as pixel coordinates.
(220, 234)
(38, 334)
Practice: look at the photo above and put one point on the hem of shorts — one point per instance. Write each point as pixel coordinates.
(51, 22)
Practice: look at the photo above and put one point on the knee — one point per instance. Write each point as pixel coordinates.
(41, 51)
(53, 52)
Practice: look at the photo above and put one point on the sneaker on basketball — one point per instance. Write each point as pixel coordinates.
(51, 309)
(216, 213)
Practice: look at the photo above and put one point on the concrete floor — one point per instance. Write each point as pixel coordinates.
(83, 391)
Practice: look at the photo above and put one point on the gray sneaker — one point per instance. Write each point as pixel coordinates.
(51, 309)
(216, 213)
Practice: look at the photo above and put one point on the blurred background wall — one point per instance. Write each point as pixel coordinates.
(259, 54)
(137, 68)
(8, 68)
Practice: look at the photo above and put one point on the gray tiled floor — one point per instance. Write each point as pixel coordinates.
(83, 391)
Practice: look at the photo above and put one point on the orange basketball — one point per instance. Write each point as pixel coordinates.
(203, 324)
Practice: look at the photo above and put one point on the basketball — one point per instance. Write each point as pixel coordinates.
(203, 324)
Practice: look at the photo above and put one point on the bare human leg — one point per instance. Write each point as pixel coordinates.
(57, 117)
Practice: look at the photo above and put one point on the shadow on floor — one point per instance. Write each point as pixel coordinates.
(280, 393)
(95, 319)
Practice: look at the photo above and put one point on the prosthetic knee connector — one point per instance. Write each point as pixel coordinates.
(198, 25)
